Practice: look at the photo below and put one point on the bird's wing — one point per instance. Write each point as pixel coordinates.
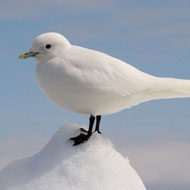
(100, 70)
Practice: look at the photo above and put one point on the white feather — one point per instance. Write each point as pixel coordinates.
(91, 82)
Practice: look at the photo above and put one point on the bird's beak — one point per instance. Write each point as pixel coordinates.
(27, 55)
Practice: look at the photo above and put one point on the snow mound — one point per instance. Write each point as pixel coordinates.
(94, 165)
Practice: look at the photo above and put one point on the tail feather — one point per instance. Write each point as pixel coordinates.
(161, 88)
(171, 88)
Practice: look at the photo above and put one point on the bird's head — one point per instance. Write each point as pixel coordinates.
(46, 46)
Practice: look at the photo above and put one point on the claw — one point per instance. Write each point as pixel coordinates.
(79, 139)
(97, 132)
(83, 130)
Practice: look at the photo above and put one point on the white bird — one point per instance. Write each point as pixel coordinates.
(91, 82)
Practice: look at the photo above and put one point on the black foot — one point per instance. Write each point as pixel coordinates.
(83, 130)
(98, 132)
(80, 139)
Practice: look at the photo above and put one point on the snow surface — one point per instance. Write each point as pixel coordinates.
(94, 165)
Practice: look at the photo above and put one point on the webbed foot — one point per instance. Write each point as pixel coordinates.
(80, 139)
(83, 130)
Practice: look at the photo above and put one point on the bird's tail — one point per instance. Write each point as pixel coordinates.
(161, 88)
(170, 88)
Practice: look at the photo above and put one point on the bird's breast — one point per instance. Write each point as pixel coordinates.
(66, 87)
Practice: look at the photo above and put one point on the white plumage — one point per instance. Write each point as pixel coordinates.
(91, 82)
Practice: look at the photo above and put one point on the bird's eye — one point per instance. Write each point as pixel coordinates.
(48, 46)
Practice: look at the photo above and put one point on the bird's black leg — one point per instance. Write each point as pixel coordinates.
(84, 137)
(91, 123)
(98, 119)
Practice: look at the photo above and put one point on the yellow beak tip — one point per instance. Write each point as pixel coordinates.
(21, 56)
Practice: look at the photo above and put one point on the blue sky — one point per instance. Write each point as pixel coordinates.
(153, 36)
